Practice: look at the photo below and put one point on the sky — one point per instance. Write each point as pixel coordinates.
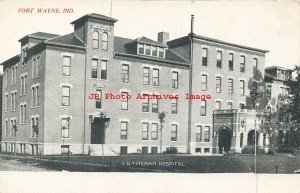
(270, 25)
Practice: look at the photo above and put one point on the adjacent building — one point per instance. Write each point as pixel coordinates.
(72, 92)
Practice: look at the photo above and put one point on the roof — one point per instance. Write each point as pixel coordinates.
(186, 38)
(145, 40)
(278, 67)
(39, 35)
(69, 39)
(123, 47)
(94, 16)
(12, 60)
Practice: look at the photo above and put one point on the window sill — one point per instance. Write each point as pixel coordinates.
(98, 79)
(125, 82)
(173, 113)
(22, 123)
(63, 138)
(33, 78)
(124, 110)
(34, 107)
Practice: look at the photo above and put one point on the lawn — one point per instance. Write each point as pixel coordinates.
(237, 163)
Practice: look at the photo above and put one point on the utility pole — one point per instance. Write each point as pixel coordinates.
(161, 117)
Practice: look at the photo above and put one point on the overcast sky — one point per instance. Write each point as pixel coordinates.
(270, 25)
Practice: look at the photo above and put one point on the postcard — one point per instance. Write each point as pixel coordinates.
(183, 96)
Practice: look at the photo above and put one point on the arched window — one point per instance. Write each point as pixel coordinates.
(104, 41)
(95, 39)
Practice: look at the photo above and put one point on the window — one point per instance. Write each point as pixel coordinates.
(95, 40)
(218, 84)
(146, 76)
(145, 104)
(206, 150)
(204, 82)
(99, 101)
(242, 66)
(173, 132)
(154, 51)
(124, 101)
(242, 87)
(154, 150)
(35, 67)
(161, 52)
(141, 48)
(219, 59)
(15, 128)
(198, 150)
(33, 96)
(37, 96)
(13, 101)
(6, 102)
(255, 65)
(155, 106)
(125, 73)
(66, 66)
(218, 105)
(145, 131)
(6, 129)
(230, 62)
(174, 106)
(206, 134)
(94, 69)
(174, 79)
(65, 127)
(23, 113)
(203, 108)
(124, 126)
(242, 106)
(104, 69)
(229, 105)
(154, 131)
(104, 41)
(155, 77)
(199, 133)
(230, 86)
(65, 96)
(6, 79)
(147, 49)
(23, 85)
(65, 149)
(123, 150)
(13, 75)
(35, 127)
(11, 128)
(204, 56)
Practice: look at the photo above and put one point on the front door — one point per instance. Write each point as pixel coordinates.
(224, 142)
(97, 132)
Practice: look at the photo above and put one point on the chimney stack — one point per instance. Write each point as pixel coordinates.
(163, 37)
(192, 24)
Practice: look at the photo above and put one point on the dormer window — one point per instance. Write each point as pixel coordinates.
(147, 49)
(161, 52)
(154, 51)
(141, 48)
(151, 50)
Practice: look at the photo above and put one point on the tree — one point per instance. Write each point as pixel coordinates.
(293, 107)
(259, 97)
(161, 117)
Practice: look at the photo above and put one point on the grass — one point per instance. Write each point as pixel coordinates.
(237, 163)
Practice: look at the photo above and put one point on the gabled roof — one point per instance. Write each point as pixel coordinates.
(94, 16)
(145, 40)
(13, 60)
(39, 35)
(122, 47)
(69, 39)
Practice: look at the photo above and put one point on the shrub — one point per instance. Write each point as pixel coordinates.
(250, 149)
(171, 150)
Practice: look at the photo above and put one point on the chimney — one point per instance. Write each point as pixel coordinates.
(192, 24)
(163, 37)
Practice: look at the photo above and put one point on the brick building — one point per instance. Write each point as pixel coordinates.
(48, 106)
